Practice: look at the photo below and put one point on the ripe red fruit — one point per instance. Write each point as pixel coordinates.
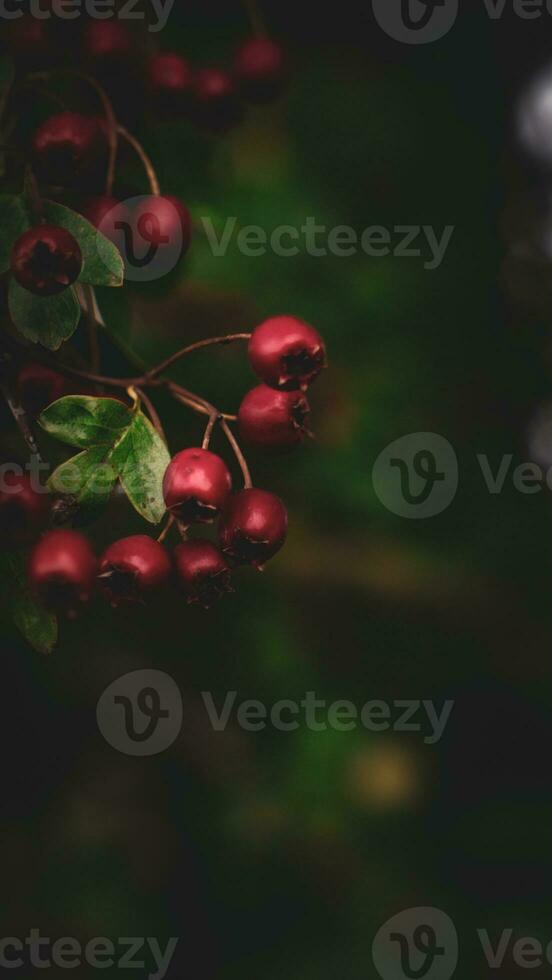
(133, 568)
(39, 386)
(202, 571)
(46, 260)
(107, 41)
(196, 486)
(260, 69)
(217, 106)
(24, 511)
(287, 353)
(253, 527)
(161, 220)
(62, 570)
(273, 419)
(170, 78)
(67, 147)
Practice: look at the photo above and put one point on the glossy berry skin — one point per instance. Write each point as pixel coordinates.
(217, 105)
(170, 79)
(24, 511)
(133, 568)
(62, 570)
(196, 486)
(38, 386)
(46, 260)
(253, 527)
(202, 572)
(260, 69)
(67, 147)
(162, 220)
(287, 353)
(272, 419)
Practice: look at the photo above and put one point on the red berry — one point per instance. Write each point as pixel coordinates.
(196, 486)
(170, 78)
(273, 419)
(46, 260)
(107, 41)
(133, 568)
(62, 570)
(260, 68)
(24, 511)
(66, 147)
(161, 220)
(217, 105)
(39, 386)
(253, 527)
(202, 571)
(287, 353)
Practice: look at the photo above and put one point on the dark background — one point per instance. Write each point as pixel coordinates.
(273, 854)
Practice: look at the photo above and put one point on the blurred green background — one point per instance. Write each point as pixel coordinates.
(275, 854)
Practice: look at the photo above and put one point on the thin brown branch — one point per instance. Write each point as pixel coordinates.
(153, 413)
(92, 326)
(209, 430)
(199, 345)
(146, 160)
(247, 481)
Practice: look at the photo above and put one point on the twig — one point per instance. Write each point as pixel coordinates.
(209, 342)
(166, 529)
(92, 324)
(153, 414)
(146, 161)
(18, 412)
(209, 430)
(247, 481)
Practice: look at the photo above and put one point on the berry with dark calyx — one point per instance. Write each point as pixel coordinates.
(217, 105)
(253, 527)
(67, 147)
(196, 485)
(163, 221)
(46, 260)
(202, 571)
(38, 386)
(260, 69)
(274, 419)
(62, 570)
(133, 568)
(170, 79)
(24, 511)
(287, 353)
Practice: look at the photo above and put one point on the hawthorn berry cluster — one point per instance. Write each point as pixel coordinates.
(287, 355)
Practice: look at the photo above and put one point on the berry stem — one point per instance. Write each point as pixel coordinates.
(32, 195)
(166, 529)
(209, 430)
(153, 413)
(146, 161)
(247, 481)
(210, 342)
(256, 18)
(18, 412)
(92, 325)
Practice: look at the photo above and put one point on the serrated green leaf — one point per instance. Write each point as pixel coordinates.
(88, 478)
(120, 441)
(14, 221)
(84, 421)
(140, 459)
(46, 320)
(38, 626)
(102, 264)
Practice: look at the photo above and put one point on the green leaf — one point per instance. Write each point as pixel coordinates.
(102, 263)
(48, 320)
(83, 421)
(88, 478)
(140, 459)
(122, 444)
(15, 220)
(38, 626)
